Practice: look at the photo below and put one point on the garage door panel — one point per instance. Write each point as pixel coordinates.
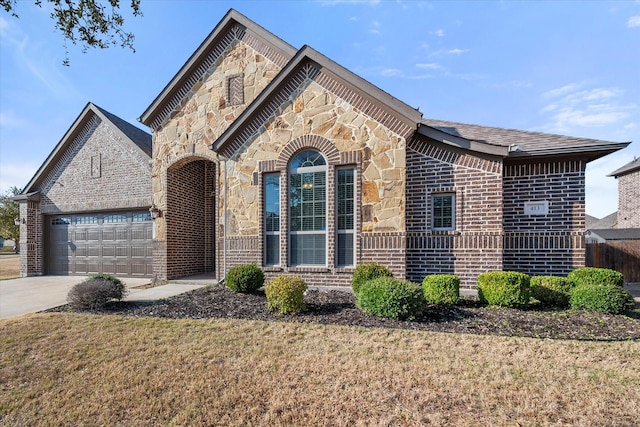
(114, 243)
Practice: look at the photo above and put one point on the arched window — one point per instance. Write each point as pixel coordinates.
(308, 209)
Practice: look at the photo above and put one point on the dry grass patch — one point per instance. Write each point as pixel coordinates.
(73, 369)
(9, 267)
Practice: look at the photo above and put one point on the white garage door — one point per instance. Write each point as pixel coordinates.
(118, 243)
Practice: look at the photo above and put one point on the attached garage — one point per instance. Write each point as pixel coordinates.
(118, 243)
(87, 208)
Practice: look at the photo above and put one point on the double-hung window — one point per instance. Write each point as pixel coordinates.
(272, 219)
(444, 211)
(345, 200)
(308, 209)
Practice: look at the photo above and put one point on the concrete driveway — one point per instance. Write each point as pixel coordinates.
(38, 293)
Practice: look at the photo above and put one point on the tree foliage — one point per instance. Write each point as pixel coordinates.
(9, 211)
(90, 23)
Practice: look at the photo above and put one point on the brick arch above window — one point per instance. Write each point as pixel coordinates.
(319, 143)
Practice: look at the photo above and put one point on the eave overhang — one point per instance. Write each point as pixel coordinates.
(460, 142)
(588, 153)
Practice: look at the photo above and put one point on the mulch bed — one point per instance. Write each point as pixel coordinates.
(338, 308)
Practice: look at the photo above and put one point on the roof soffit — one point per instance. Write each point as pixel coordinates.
(309, 65)
(233, 26)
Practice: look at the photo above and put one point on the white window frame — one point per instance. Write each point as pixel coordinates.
(453, 210)
(296, 171)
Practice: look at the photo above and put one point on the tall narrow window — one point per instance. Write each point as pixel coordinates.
(307, 209)
(272, 219)
(345, 217)
(444, 211)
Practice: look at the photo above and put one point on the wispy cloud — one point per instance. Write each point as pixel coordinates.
(574, 106)
(36, 59)
(16, 174)
(9, 119)
(439, 32)
(430, 66)
(634, 21)
(455, 51)
(375, 27)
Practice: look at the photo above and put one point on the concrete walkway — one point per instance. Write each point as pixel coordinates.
(38, 293)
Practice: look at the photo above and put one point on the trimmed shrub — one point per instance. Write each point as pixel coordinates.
(504, 288)
(95, 292)
(391, 298)
(610, 299)
(596, 276)
(551, 290)
(245, 278)
(285, 294)
(368, 271)
(441, 289)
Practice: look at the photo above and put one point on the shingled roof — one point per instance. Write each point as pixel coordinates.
(526, 143)
(628, 168)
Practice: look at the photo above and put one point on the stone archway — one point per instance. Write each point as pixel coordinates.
(190, 218)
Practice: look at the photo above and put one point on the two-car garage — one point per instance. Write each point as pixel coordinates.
(118, 243)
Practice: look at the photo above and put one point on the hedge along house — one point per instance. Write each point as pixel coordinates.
(86, 210)
(264, 153)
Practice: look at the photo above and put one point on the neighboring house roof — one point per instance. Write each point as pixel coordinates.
(526, 143)
(608, 221)
(616, 233)
(632, 166)
(590, 221)
(139, 138)
(393, 106)
(197, 64)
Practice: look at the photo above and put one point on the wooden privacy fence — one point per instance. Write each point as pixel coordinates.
(622, 256)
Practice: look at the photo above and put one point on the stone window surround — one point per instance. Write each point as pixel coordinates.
(334, 159)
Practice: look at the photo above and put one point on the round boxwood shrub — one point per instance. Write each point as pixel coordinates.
(441, 289)
(285, 294)
(95, 292)
(504, 288)
(551, 290)
(391, 298)
(368, 271)
(245, 278)
(610, 299)
(596, 276)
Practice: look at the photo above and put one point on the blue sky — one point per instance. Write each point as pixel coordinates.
(561, 67)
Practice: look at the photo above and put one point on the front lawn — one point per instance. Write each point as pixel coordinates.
(87, 369)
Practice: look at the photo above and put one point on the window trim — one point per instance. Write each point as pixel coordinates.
(351, 231)
(299, 171)
(443, 194)
(272, 233)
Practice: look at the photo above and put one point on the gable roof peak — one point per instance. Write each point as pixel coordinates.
(200, 61)
(137, 137)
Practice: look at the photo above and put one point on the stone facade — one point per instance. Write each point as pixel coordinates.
(246, 103)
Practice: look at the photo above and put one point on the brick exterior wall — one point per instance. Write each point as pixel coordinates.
(189, 218)
(98, 171)
(629, 200)
(475, 245)
(551, 244)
